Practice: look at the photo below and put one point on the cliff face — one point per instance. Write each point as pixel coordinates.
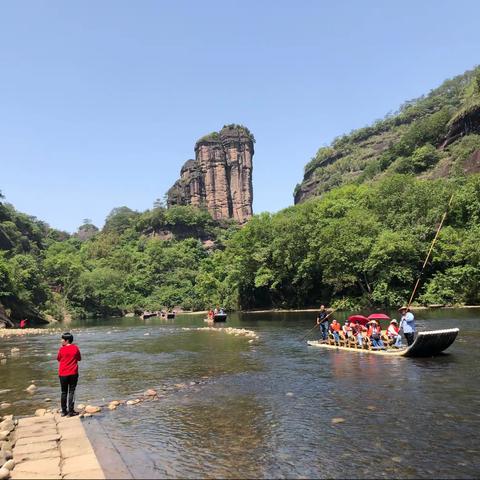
(435, 136)
(220, 177)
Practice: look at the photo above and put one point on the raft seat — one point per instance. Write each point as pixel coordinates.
(352, 342)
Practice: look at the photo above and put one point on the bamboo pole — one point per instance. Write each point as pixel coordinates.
(317, 324)
(429, 252)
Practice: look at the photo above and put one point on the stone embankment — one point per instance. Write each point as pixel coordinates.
(21, 332)
(46, 446)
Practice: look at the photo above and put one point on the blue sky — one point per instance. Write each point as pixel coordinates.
(101, 102)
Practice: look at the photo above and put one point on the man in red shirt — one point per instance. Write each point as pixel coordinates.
(68, 358)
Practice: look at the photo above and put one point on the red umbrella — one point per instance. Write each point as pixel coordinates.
(378, 316)
(360, 318)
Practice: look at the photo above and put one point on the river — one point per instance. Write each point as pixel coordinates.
(263, 409)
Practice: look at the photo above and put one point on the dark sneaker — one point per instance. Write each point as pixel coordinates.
(63, 414)
(72, 414)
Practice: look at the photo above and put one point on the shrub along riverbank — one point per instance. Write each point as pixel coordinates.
(359, 244)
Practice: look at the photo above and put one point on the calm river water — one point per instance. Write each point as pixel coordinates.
(264, 409)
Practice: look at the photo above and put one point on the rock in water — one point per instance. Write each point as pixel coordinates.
(336, 420)
(31, 389)
(150, 392)
(92, 409)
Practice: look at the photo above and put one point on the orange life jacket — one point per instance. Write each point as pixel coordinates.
(335, 327)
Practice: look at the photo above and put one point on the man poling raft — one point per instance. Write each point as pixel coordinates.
(371, 340)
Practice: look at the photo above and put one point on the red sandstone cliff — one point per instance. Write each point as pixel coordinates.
(220, 177)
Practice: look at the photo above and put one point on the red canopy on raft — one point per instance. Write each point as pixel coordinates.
(360, 318)
(378, 316)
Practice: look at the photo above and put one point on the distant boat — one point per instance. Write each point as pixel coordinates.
(146, 315)
(220, 317)
(171, 314)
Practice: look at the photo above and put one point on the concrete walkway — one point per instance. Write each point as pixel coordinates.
(51, 446)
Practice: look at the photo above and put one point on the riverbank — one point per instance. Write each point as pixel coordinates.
(48, 446)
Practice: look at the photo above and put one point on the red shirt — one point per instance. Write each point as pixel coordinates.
(68, 357)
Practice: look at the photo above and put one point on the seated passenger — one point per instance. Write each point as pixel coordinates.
(393, 333)
(358, 332)
(375, 334)
(347, 330)
(335, 329)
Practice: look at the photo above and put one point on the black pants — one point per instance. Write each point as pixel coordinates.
(68, 385)
(409, 337)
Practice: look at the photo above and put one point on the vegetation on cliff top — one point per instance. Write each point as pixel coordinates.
(227, 129)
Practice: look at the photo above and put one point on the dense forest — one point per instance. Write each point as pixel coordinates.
(361, 242)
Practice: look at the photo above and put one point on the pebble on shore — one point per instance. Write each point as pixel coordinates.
(7, 427)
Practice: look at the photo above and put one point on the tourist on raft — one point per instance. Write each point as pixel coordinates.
(358, 330)
(393, 333)
(407, 324)
(322, 320)
(375, 334)
(68, 357)
(347, 330)
(335, 328)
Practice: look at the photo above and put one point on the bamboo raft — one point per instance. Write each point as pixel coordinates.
(426, 344)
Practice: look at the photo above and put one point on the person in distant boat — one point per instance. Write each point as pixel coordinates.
(393, 333)
(215, 311)
(407, 324)
(221, 312)
(68, 357)
(210, 314)
(375, 334)
(23, 323)
(335, 328)
(322, 320)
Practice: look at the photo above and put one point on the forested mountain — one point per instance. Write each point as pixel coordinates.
(435, 136)
(358, 237)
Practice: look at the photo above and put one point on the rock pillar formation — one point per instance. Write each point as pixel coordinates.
(220, 177)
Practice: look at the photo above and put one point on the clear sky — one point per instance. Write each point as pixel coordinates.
(101, 102)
